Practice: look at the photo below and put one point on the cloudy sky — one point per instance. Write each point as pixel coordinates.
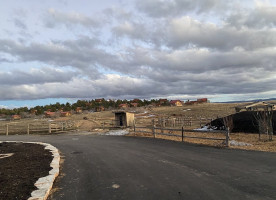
(63, 50)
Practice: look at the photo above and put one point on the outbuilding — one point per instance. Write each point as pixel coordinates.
(123, 118)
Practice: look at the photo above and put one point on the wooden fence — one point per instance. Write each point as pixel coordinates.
(181, 133)
(182, 121)
(33, 128)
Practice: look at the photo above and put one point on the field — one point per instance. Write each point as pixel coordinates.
(96, 122)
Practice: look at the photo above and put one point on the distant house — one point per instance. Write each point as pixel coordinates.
(78, 110)
(163, 101)
(134, 104)
(99, 109)
(202, 100)
(50, 114)
(33, 111)
(99, 100)
(123, 105)
(190, 102)
(65, 114)
(176, 103)
(136, 100)
(15, 117)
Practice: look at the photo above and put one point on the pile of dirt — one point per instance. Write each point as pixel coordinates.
(19, 172)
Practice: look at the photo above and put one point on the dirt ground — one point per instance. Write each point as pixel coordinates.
(19, 172)
(101, 121)
(88, 121)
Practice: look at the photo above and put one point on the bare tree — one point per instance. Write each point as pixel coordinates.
(228, 122)
(264, 121)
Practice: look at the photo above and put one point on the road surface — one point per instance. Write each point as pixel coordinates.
(117, 167)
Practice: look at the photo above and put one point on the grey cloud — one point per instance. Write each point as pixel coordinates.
(115, 86)
(258, 18)
(132, 30)
(117, 14)
(107, 86)
(75, 53)
(149, 72)
(20, 24)
(187, 32)
(162, 8)
(2, 60)
(35, 76)
(144, 62)
(55, 18)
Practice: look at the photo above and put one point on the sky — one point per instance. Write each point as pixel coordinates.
(63, 50)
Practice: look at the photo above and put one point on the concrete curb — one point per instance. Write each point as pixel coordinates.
(45, 184)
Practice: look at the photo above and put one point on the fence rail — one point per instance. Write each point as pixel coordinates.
(172, 132)
(182, 121)
(52, 127)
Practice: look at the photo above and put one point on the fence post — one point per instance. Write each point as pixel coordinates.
(153, 128)
(134, 128)
(227, 137)
(200, 121)
(182, 134)
(50, 130)
(28, 129)
(62, 126)
(7, 129)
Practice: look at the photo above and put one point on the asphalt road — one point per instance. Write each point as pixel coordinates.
(115, 167)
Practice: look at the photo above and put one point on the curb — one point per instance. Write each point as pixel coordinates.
(45, 184)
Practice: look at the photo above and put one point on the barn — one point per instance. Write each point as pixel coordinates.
(244, 122)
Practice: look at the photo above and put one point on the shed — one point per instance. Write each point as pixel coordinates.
(123, 118)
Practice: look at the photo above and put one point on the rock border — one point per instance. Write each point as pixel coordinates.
(45, 184)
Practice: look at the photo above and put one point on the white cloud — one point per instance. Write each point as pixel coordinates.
(147, 49)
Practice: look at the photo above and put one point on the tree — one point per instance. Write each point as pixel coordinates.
(228, 122)
(264, 121)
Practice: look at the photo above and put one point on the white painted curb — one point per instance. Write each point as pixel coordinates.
(45, 184)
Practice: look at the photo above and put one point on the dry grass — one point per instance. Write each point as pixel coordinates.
(258, 145)
(252, 139)
(144, 117)
(206, 110)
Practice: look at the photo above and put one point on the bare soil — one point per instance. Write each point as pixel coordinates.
(93, 122)
(19, 172)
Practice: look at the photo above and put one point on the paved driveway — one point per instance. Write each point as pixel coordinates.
(114, 167)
